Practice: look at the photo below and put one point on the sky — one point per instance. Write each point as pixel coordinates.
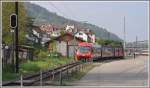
(106, 14)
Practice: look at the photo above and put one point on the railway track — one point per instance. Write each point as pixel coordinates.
(31, 79)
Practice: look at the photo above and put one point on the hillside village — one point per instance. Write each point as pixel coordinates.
(47, 32)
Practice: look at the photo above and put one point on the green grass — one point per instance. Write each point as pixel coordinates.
(30, 67)
(43, 64)
(10, 76)
(8, 73)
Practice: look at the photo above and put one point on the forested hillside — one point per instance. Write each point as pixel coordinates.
(42, 15)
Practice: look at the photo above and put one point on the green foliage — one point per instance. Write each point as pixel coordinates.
(7, 9)
(108, 42)
(42, 54)
(8, 73)
(9, 76)
(43, 64)
(55, 54)
(28, 67)
(62, 32)
(100, 41)
(31, 67)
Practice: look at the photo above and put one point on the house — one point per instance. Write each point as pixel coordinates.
(34, 36)
(57, 29)
(69, 28)
(39, 35)
(86, 34)
(43, 33)
(52, 30)
(91, 36)
(82, 35)
(65, 44)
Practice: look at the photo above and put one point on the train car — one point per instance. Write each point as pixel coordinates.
(84, 51)
(88, 51)
(96, 52)
(118, 52)
(121, 52)
(107, 52)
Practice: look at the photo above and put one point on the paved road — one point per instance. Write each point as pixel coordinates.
(129, 72)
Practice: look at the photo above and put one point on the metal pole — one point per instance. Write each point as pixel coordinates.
(41, 77)
(124, 32)
(16, 39)
(135, 47)
(108, 35)
(136, 42)
(13, 63)
(21, 79)
(74, 42)
(67, 50)
(60, 77)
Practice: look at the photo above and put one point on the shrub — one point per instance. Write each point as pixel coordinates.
(29, 67)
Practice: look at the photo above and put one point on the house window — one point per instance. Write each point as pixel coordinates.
(80, 33)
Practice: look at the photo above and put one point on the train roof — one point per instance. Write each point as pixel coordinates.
(85, 44)
(97, 46)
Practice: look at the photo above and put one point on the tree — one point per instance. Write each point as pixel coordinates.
(7, 9)
(108, 42)
(100, 41)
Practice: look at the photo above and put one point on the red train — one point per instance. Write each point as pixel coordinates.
(89, 51)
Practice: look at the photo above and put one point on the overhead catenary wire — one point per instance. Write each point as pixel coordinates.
(53, 5)
(67, 14)
(72, 14)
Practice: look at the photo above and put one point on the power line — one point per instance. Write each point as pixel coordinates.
(71, 14)
(53, 5)
(70, 11)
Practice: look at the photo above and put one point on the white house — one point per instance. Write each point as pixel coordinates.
(82, 35)
(69, 28)
(91, 38)
(35, 33)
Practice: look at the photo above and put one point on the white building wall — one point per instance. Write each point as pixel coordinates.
(69, 28)
(82, 35)
(92, 38)
(61, 48)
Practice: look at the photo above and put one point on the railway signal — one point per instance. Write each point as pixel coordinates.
(13, 21)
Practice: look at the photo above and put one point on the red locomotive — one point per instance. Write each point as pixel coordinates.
(84, 51)
(89, 51)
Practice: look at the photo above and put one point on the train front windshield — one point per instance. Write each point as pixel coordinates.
(84, 49)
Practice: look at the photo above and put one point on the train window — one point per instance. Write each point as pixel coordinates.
(94, 50)
(84, 49)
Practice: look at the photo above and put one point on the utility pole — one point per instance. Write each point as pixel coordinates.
(124, 42)
(16, 40)
(136, 43)
(108, 35)
(135, 47)
(74, 39)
